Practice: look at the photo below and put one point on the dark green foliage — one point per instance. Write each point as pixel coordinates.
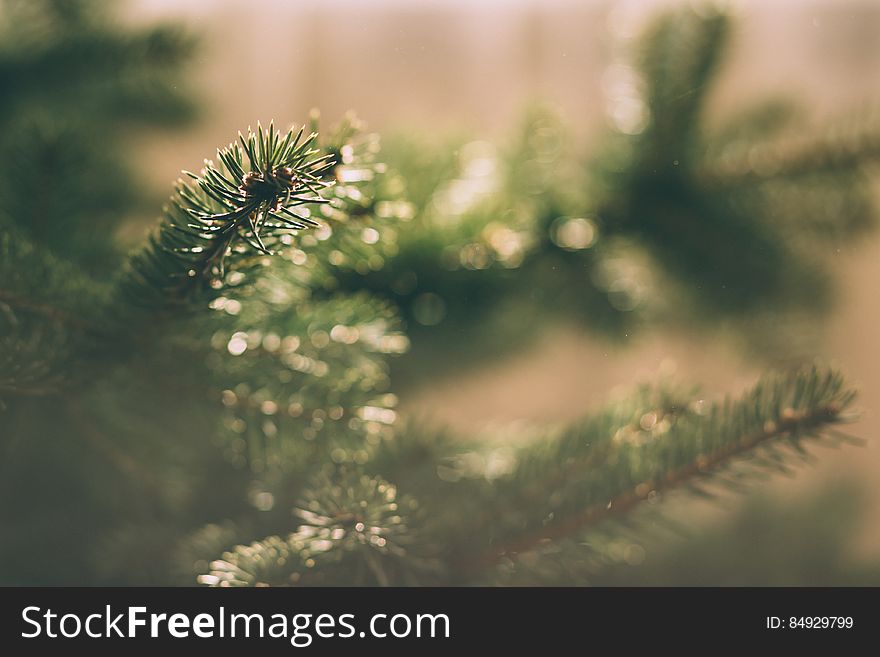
(490, 511)
(301, 378)
(45, 307)
(55, 51)
(231, 380)
(73, 84)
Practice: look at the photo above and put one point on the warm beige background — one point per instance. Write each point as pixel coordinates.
(439, 65)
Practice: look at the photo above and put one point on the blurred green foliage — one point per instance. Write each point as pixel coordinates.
(74, 86)
(163, 410)
(668, 221)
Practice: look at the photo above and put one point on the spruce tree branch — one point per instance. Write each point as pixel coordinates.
(260, 191)
(355, 529)
(621, 462)
(626, 501)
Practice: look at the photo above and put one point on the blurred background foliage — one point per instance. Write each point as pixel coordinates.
(458, 245)
(74, 87)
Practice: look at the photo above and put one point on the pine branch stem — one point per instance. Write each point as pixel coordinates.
(626, 501)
